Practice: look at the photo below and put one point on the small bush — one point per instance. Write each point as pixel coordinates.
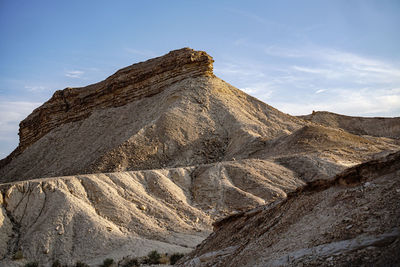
(175, 257)
(153, 257)
(32, 264)
(131, 263)
(81, 264)
(57, 263)
(164, 259)
(18, 255)
(107, 263)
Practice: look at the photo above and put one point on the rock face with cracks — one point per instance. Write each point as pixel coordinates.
(152, 156)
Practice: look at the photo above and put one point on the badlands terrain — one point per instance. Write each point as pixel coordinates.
(165, 156)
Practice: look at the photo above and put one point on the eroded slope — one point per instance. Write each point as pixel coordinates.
(92, 217)
(353, 219)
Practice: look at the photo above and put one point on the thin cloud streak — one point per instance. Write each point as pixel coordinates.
(74, 73)
(11, 113)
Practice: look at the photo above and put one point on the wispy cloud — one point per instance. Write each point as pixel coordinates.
(11, 113)
(299, 80)
(35, 88)
(365, 102)
(74, 73)
(320, 91)
(141, 52)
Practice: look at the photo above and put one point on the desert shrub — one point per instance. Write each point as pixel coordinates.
(175, 257)
(131, 263)
(57, 263)
(32, 264)
(153, 257)
(18, 255)
(164, 259)
(107, 263)
(81, 264)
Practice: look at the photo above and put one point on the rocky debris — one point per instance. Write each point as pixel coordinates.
(112, 215)
(334, 222)
(380, 127)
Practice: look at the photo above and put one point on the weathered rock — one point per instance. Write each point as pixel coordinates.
(311, 226)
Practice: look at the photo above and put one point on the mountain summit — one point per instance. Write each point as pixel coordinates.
(152, 156)
(166, 112)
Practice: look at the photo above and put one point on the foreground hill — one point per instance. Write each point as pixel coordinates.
(150, 157)
(132, 213)
(351, 220)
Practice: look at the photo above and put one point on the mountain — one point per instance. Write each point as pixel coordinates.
(166, 112)
(152, 156)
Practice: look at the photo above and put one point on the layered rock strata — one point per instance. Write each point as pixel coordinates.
(131, 83)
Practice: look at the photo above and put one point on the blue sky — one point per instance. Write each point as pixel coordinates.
(298, 56)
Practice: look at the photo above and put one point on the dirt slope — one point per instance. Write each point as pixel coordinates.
(353, 219)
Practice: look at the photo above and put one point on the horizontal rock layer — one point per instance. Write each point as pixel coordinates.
(131, 83)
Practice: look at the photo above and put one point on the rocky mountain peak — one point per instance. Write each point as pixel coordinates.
(137, 81)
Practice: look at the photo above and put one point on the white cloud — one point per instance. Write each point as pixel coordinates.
(299, 80)
(35, 88)
(364, 102)
(11, 113)
(320, 91)
(74, 73)
(141, 52)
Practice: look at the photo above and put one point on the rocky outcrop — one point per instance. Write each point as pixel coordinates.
(378, 126)
(131, 83)
(352, 219)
